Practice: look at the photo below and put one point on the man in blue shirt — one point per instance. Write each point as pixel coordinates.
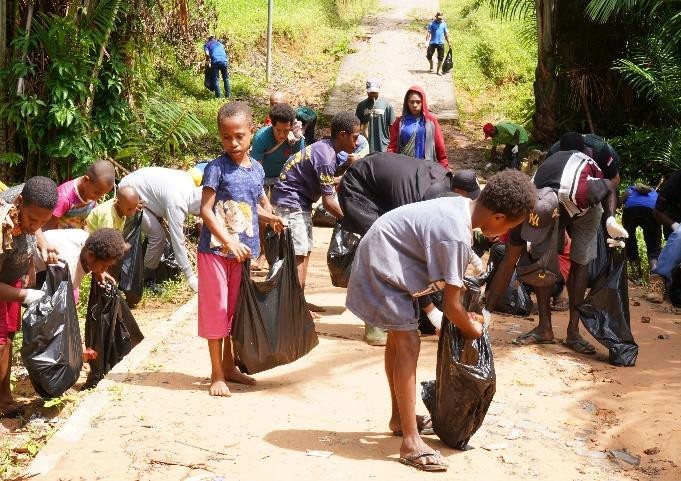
(437, 34)
(217, 56)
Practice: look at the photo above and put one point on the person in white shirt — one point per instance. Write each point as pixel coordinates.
(171, 195)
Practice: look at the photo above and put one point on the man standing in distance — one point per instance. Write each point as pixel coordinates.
(376, 115)
(217, 56)
(436, 36)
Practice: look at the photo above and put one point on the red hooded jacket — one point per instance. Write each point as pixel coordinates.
(435, 143)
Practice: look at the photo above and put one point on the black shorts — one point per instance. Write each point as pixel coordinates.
(440, 51)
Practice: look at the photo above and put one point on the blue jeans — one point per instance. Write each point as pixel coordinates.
(216, 68)
(670, 257)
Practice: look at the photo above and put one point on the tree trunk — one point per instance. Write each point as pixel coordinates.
(546, 82)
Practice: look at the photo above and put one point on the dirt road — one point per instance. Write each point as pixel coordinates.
(554, 416)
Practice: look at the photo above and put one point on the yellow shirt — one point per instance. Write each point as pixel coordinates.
(104, 215)
(3, 187)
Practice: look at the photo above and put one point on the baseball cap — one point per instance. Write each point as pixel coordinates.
(373, 85)
(542, 217)
(488, 129)
(466, 181)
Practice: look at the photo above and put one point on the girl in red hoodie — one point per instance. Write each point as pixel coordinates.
(417, 132)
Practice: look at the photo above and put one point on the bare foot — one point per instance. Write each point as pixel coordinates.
(315, 308)
(422, 423)
(234, 375)
(219, 388)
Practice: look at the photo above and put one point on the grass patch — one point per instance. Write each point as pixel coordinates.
(493, 68)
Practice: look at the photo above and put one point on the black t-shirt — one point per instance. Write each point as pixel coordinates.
(383, 181)
(602, 152)
(669, 199)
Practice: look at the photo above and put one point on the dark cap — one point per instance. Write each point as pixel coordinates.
(466, 181)
(572, 141)
(542, 217)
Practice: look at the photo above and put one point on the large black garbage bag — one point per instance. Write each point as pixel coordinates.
(465, 379)
(516, 300)
(596, 266)
(52, 350)
(131, 280)
(208, 78)
(675, 289)
(271, 245)
(448, 63)
(464, 387)
(605, 311)
(272, 325)
(340, 255)
(110, 330)
(168, 268)
(470, 300)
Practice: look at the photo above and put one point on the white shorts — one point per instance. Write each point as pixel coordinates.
(300, 224)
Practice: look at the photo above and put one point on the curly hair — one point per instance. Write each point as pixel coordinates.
(106, 244)
(40, 192)
(510, 192)
(282, 113)
(343, 122)
(235, 109)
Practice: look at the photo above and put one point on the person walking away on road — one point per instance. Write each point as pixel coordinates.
(375, 115)
(415, 250)
(436, 34)
(171, 195)
(233, 201)
(583, 196)
(307, 176)
(417, 132)
(639, 203)
(668, 213)
(21, 217)
(515, 140)
(114, 212)
(216, 54)
(272, 147)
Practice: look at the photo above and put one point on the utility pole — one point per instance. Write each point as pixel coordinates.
(268, 70)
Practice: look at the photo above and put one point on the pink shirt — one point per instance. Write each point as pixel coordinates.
(71, 209)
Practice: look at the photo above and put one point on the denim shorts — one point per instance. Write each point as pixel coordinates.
(300, 225)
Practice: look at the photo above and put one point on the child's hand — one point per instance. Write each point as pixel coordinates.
(278, 224)
(238, 250)
(89, 354)
(474, 330)
(104, 278)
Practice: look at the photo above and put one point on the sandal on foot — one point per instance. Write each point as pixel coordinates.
(412, 460)
(424, 424)
(580, 346)
(561, 306)
(531, 338)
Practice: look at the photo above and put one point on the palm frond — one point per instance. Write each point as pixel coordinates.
(513, 9)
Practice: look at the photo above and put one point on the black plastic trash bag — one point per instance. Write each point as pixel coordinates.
(52, 350)
(464, 387)
(110, 330)
(322, 218)
(448, 64)
(271, 246)
(340, 255)
(675, 289)
(208, 78)
(131, 280)
(605, 311)
(272, 324)
(470, 300)
(516, 300)
(597, 265)
(168, 268)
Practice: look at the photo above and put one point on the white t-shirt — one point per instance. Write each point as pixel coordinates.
(69, 243)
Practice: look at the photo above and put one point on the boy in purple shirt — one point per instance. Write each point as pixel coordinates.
(307, 176)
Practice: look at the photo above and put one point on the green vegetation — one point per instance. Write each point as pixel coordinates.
(493, 66)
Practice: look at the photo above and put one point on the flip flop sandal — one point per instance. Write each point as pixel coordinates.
(580, 346)
(560, 307)
(426, 428)
(439, 466)
(531, 338)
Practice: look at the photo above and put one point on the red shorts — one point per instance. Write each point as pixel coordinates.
(219, 285)
(10, 315)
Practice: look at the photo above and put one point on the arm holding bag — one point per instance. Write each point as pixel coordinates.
(52, 350)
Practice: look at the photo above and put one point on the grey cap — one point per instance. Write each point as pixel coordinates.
(540, 220)
(373, 85)
(467, 181)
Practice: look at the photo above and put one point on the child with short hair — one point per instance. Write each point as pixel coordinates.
(79, 196)
(24, 214)
(114, 212)
(232, 203)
